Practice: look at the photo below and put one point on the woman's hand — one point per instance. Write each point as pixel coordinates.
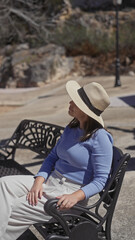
(67, 201)
(36, 191)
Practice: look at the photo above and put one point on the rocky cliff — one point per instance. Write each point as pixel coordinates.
(76, 42)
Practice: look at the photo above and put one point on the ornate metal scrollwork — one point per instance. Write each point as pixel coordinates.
(38, 136)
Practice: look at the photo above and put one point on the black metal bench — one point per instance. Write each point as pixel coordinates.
(92, 222)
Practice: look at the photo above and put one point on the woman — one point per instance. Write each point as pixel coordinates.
(76, 169)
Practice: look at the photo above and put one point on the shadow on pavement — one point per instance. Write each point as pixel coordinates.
(122, 129)
(131, 165)
(3, 142)
(32, 164)
(130, 100)
(27, 235)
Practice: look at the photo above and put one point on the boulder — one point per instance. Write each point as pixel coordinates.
(32, 67)
(6, 71)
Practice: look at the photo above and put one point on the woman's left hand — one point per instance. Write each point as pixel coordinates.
(67, 201)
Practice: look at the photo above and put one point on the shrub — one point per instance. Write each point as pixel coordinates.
(127, 37)
(78, 39)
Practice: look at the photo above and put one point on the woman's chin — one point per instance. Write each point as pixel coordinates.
(71, 113)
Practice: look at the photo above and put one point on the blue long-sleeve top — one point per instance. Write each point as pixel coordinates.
(87, 163)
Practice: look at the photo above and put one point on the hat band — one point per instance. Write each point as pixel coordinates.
(86, 100)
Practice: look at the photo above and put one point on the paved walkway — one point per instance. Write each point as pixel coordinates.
(50, 104)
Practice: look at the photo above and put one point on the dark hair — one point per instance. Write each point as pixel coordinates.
(90, 127)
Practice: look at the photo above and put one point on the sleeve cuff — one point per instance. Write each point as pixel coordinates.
(42, 174)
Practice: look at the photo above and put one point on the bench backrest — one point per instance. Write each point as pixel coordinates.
(37, 136)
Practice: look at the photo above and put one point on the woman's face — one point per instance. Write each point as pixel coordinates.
(75, 112)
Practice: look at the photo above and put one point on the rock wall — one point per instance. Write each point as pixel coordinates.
(22, 66)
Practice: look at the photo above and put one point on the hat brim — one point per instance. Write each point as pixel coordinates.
(72, 89)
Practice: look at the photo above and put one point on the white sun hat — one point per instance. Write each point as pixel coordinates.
(92, 98)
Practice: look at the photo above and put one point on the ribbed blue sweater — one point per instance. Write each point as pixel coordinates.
(87, 163)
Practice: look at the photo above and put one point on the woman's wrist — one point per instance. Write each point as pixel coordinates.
(80, 195)
(39, 180)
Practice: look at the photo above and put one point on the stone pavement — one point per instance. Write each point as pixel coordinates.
(50, 104)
